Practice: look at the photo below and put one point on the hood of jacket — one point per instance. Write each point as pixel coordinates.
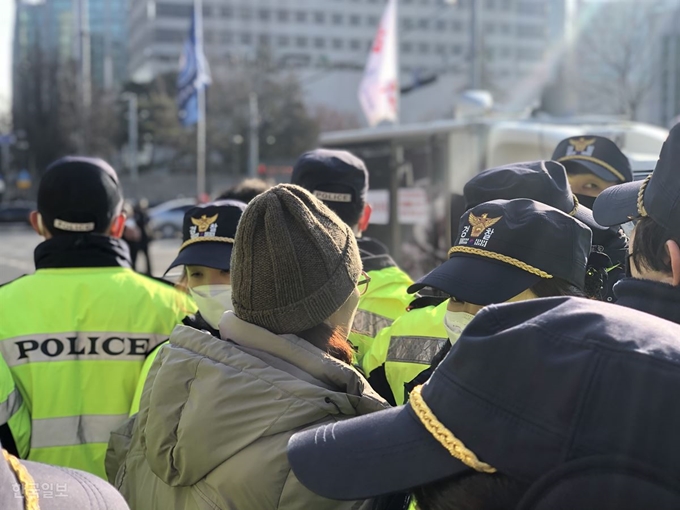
(211, 397)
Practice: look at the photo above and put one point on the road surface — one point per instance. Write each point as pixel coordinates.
(17, 243)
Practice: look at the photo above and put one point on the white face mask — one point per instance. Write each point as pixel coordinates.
(212, 302)
(455, 323)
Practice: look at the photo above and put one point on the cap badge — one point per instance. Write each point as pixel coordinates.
(481, 223)
(203, 226)
(581, 146)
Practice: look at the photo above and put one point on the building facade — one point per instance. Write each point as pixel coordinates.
(326, 43)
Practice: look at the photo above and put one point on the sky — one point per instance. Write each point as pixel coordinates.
(6, 28)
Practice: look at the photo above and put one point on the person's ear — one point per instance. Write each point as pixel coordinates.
(674, 254)
(365, 218)
(36, 222)
(118, 226)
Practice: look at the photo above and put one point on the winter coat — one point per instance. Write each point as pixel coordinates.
(217, 414)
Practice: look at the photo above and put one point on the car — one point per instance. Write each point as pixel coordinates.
(16, 212)
(165, 220)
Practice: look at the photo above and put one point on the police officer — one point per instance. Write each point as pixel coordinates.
(543, 181)
(208, 233)
(75, 334)
(654, 251)
(340, 180)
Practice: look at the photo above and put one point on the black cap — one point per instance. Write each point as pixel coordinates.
(543, 181)
(505, 247)
(336, 177)
(79, 195)
(208, 235)
(660, 197)
(527, 387)
(595, 154)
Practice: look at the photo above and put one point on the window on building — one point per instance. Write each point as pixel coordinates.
(301, 16)
(283, 15)
(441, 49)
(490, 28)
(264, 14)
(265, 39)
(423, 23)
(406, 48)
(319, 42)
(283, 41)
(301, 42)
(457, 49)
(246, 13)
(227, 12)
(338, 44)
(208, 37)
(456, 25)
(441, 25)
(355, 44)
(227, 38)
(165, 35)
(337, 19)
(534, 8)
(424, 48)
(372, 21)
(354, 20)
(166, 10)
(407, 24)
(490, 4)
(207, 11)
(505, 28)
(506, 5)
(319, 18)
(247, 38)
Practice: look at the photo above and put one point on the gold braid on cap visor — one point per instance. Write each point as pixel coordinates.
(201, 239)
(28, 485)
(443, 435)
(502, 258)
(576, 204)
(641, 195)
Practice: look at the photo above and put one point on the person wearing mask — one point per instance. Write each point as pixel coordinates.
(393, 369)
(340, 180)
(26, 485)
(593, 164)
(75, 333)
(654, 251)
(534, 394)
(217, 413)
(208, 233)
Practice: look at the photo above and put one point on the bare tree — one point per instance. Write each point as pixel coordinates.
(616, 57)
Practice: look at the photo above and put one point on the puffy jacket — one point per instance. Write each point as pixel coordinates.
(216, 416)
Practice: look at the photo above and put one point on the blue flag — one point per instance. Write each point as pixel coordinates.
(194, 73)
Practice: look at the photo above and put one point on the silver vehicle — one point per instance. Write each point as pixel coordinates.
(165, 220)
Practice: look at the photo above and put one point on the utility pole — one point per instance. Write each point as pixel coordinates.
(254, 142)
(132, 138)
(84, 70)
(475, 50)
(108, 58)
(201, 133)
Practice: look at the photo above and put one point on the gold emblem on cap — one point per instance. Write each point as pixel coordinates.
(203, 223)
(581, 144)
(481, 223)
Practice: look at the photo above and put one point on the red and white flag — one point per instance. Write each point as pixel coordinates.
(379, 89)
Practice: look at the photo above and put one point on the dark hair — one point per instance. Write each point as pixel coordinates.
(245, 190)
(471, 491)
(649, 250)
(556, 287)
(350, 213)
(331, 340)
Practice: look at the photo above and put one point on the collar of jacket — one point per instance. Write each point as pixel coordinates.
(81, 250)
(658, 299)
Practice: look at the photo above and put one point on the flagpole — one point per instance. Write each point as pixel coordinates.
(201, 134)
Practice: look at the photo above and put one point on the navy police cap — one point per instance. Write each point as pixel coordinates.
(208, 235)
(528, 387)
(595, 154)
(658, 196)
(505, 247)
(332, 176)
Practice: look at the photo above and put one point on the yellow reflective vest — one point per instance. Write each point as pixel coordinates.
(14, 417)
(75, 340)
(385, 300)
(404, 350)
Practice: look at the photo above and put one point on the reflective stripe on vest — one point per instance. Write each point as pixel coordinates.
(414, 349)
(72, 346)
(74, 430)
(10, 406)
(369, 323)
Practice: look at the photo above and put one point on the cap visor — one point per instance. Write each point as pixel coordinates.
(585, 216)
(215, 254)
(593, 168)
(618, 204)
(477, 280)
(372, 455)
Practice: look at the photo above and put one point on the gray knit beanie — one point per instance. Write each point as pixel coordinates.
(294, 262)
